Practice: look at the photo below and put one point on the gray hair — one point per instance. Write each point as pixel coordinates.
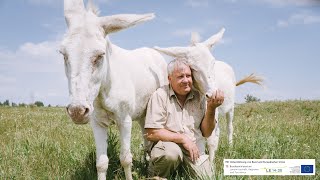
(176, 63)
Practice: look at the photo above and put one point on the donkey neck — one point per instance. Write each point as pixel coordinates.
(110, 74)
(106, 81)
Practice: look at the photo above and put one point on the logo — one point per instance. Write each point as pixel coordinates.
(306, 168)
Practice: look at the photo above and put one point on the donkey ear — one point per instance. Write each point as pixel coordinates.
(118, 22)
(72, 8)
(214, 39)
(173, 51)
(195, 38)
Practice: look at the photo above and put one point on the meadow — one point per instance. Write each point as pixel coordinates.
(43, 143)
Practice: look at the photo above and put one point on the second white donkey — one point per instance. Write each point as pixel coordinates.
(209, 75)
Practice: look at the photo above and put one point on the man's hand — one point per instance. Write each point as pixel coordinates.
(191, 147)
(216, 100)
(208, 123)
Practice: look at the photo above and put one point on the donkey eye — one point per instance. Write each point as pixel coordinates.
(98, 58)
(65, 56)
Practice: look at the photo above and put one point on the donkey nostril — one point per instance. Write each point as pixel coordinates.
(68, 109)
(77, 111)
(86, 112)
(80, 110)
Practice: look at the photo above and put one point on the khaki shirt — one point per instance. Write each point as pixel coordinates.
(165, 111)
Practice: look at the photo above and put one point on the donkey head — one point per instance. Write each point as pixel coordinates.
(200, 59)
(86, 53)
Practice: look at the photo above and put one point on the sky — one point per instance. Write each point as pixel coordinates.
(276, 39)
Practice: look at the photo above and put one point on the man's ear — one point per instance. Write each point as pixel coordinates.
(169, 78)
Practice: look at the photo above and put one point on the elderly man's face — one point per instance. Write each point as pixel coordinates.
(181, 79)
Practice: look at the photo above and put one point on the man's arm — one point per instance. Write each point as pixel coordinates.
(208, 123)
(160, 134)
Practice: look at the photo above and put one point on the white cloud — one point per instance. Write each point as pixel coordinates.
(293, 2)
(32, 57)
(186, 32)
(40, 2)
(52, 2)
(299, 18)
(53, 93)
(215, 22)
(282, 23)
(168, 20)
(197, 3)
(33, 67)
(225, 40)
(44, 49)
(7, 80)
(102, 1)
(231, 1)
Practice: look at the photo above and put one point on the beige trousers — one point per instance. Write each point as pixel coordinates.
(166, 157)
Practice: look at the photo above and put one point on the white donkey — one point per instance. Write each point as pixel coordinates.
(107, 83)
(210, 74)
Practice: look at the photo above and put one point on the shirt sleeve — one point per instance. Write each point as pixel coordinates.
(203, 107)
(156, 111)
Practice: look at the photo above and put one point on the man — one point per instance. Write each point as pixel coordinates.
(178, 118)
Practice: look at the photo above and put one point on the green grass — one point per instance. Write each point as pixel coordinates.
(43, 143)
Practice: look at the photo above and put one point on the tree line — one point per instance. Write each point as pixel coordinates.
(249, 98)
(13, 104)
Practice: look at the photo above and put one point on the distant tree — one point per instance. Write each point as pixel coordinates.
(6, 103)
(14, 104)
(0, 103)
(250, 98)
(22, 105)
(49, 105)
(39, 103)
(32, 106)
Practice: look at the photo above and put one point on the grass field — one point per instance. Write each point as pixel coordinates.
(43, 143)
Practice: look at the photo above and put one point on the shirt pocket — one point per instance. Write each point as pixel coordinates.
(172, 122)
(197, 115)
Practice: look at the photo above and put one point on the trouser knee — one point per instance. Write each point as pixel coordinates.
(165, 158)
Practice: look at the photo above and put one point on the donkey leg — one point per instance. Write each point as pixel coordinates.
(125, 125)
(145, 141)
(213, 140)
(229, 117)
(100, 137)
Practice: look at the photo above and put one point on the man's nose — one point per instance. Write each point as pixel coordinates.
(184, 79)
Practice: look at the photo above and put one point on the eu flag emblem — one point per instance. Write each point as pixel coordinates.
(306, 168)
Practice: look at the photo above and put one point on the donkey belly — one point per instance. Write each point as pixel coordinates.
(225, 81)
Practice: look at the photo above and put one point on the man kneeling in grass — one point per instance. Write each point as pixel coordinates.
(177, 122)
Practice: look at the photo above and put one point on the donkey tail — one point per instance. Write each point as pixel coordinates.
(252, 78)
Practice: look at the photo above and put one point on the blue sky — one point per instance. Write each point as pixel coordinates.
(278, 39)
